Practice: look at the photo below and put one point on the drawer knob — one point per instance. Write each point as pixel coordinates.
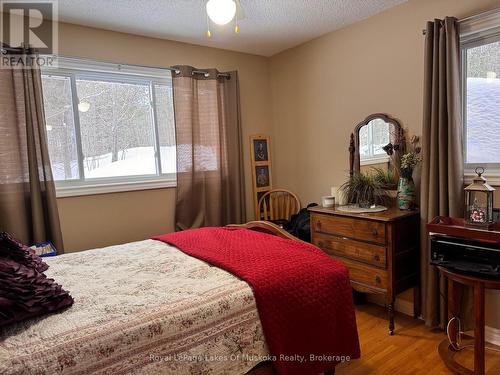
(376, 257)
(378, 280)
(375, 232)
(320, 243)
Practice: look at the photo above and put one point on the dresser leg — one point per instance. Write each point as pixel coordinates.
(391, 317)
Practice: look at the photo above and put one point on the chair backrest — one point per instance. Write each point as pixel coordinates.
(278, 204)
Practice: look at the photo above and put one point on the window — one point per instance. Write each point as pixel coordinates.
(372, 138)
(481, 94)
(109, 127)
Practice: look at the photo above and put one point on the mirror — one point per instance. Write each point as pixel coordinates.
(378, 141)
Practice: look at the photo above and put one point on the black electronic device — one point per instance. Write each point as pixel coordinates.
(479, 258)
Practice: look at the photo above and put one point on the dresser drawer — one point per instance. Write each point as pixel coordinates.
(365, 274)
(364, 252)
(363, 230)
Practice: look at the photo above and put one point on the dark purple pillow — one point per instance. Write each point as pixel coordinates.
(26, 293)
(11, 248)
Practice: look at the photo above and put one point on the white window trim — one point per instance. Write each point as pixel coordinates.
(113, 187)
(476, 27)
(374, 160)
(105, 70)
(491, 175)
(477, 30)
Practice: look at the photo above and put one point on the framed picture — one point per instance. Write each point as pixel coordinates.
(262, 178)
(261, 167)
(260, 150)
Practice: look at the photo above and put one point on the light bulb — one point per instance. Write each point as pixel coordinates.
(221, 12)
(83, 106)
(490, 76)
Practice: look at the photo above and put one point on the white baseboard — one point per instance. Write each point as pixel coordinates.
(492, 335)
(402, 306)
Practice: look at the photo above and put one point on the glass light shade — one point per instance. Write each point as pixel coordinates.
(83, 106)
(221, 12)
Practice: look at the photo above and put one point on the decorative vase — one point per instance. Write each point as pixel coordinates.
(406, 193)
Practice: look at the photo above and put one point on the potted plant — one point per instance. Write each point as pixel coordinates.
(364, 189)
(388, 180)
(406, 186)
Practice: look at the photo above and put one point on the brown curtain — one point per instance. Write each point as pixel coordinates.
(28, 208)
(210, 188)
(442, 166)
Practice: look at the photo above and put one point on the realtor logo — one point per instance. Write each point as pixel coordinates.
(29, 24)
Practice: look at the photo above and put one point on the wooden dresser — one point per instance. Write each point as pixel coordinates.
(381, 250)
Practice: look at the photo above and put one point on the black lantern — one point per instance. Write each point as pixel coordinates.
(479, 202)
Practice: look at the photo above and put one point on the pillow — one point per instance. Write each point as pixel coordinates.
(26, 293)
(13, 249)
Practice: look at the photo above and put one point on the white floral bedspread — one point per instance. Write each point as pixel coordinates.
(140, 308)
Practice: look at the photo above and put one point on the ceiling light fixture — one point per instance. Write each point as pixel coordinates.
(221, 12)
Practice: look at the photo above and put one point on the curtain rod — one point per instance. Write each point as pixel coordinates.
(207, 74)
(5, 49)
(479, 15)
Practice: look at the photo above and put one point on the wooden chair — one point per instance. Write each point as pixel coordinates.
(278, 206)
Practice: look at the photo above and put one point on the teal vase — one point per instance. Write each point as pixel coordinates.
(406, 193)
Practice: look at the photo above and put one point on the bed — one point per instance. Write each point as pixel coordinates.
(143, 307)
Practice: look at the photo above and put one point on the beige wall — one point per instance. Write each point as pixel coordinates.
(324, 87)
(99, 220)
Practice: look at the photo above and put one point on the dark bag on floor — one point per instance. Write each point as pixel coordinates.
(299, 224)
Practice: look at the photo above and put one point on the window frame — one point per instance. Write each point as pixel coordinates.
(476, 31)
(75, 69)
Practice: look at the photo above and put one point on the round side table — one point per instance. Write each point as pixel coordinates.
(446, 351)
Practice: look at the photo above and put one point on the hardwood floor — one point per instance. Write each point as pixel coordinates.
(412, 350)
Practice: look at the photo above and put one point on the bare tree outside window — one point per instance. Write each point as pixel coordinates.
(109, 126)
(60, 127)
(117, 129)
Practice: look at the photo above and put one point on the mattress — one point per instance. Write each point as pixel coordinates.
(140, 308)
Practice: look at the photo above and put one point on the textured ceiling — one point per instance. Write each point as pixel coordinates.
(268, 26)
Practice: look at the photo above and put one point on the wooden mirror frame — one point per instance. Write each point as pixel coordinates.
(399, 141)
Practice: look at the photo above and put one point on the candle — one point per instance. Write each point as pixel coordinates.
(340, 198)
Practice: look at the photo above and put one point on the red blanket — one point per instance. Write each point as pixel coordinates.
(303, 296)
